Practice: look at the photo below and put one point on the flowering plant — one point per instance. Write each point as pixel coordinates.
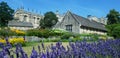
(13, 40)
(18, 31)
(79, 49)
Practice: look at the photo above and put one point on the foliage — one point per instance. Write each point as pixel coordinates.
(113, 23)
(6, 32)
(95, 36)
(43, 33)
(11, 32)
(38, 32)
(103, 37)
(57, 32)
(116, 32)
(67, 35)
(113, 30)
(6, 14)
(18, 32)
(113, 17)
(49, 20)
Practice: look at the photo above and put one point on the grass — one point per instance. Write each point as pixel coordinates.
(30, 45)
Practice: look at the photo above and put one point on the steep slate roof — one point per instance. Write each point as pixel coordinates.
(20, 24)
(88, 23)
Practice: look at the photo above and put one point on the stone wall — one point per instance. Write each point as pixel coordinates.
(33, 38)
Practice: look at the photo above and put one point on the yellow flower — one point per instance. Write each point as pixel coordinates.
(13, 40)
(16, 40)
(2, 41)
(17, 31)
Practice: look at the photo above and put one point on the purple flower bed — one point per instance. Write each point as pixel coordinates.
(82, 49)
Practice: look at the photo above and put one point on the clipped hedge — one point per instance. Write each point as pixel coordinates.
(38, 32)
(43, 33)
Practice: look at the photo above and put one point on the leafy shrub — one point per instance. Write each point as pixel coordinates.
(103, 37)
(113, 30)
(57, 32)
(43, 33)
(88, 37)
(116, 32)
(11, 32)
(18, 32)
(38, 32)
(66, 36)
(6, 32)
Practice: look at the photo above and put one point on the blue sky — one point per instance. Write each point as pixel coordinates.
(98, 8)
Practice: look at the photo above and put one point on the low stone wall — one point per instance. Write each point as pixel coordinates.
(33, 38)
(29, 38)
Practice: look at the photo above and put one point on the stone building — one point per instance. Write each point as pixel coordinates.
(100, 20)
(20, 25)
(25, 20)
(78, 24)
(29, 18)
(60, 17)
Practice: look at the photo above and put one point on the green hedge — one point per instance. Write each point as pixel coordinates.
(42, 33)
(6, 32)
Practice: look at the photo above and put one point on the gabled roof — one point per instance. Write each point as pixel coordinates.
(19, 24)
(87, 23)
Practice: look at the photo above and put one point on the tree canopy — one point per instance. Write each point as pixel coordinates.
(116, 32)
(6, 14)
(49, 20)
(113, 23)
(113, 17)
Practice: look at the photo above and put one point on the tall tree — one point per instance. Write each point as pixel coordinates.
(6, 14)
(49, 20)
(113, 17)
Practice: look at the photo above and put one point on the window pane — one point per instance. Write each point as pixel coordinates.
(69, 28)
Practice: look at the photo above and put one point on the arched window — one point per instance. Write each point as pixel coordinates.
(25, 18)
(34, 19)
(38, 18)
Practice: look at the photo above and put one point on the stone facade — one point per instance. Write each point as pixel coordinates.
(100, 20)
(60, 17)
(20, 25)
(71, 22)
(77, 24)
(25, 16)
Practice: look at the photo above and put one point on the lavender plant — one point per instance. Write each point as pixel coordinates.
(78, 49)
